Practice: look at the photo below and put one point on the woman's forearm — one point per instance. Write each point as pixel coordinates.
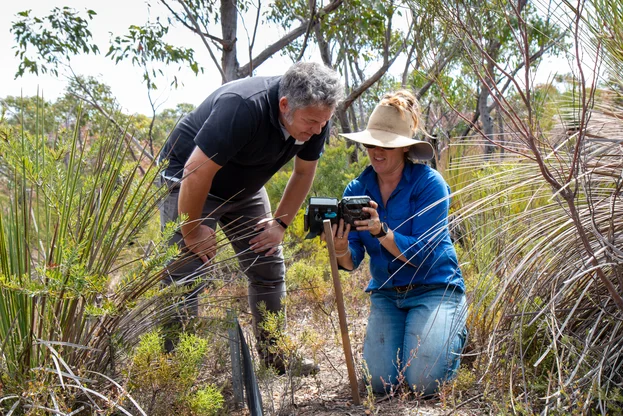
(389, 244)
(345, 259)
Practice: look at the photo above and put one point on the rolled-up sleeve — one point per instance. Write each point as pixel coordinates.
(428, 222)
(357, 251)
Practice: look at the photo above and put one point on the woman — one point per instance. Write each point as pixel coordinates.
(416, 328)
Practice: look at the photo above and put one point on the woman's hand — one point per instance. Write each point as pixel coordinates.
(340, 237)
(372, 225)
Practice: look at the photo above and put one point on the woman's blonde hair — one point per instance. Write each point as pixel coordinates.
(408, 106)
(406, 103)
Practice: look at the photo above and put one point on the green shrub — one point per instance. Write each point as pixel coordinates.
(207, 401)
(163, 383)
(79, 259)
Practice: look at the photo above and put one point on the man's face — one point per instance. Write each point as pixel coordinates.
(304, 122)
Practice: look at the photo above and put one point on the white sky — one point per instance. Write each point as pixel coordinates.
(115, 16)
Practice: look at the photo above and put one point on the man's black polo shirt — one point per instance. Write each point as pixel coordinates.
(238, 127)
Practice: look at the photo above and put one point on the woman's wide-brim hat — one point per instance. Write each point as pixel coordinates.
(388, 128)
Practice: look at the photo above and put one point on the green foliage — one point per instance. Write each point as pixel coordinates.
(144, 45)
(77, 210)
(53, 39)
(333, 173)
(335, 170)
(191, 352)
(311, 273)
(167, 383)
(524, 261)
(282, 345)
(68, 111)
(491, 42)
(605, 21)
(149, 361)
(38, 116)
(364, 44)
(27, 113)
(207, 13)
(381, 35)
(165, 122)
(457, 90)
(465, 379)
(207, 401)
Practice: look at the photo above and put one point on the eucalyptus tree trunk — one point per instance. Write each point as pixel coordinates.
(485, 117)
(229, 27)
(323, 45)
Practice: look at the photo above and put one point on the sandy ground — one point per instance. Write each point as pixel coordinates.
(329, 392)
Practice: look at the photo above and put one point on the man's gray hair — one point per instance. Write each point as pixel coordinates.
(311, 84)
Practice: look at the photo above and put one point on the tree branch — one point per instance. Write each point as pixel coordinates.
(129, 138)
(532, 58)
(191, 28)
(438, 68)
(245, 70)
(203, 38)
(312, 10)
(323, 46)
(387, 62)
(252, 42)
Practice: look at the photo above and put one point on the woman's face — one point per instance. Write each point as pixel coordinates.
(387, 161)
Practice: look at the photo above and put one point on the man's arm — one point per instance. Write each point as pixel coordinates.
(296, 190)
(199, 172)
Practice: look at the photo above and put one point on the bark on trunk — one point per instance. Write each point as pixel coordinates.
(485, 117)
(323, 46)
(229, 26)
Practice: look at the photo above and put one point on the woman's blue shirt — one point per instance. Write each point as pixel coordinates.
(417, 213)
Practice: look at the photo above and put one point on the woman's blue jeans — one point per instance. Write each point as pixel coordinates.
(415, 337)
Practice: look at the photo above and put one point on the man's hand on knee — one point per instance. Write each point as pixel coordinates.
(202, 242)
(269, 239)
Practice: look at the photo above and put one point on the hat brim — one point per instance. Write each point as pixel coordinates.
(419, 149)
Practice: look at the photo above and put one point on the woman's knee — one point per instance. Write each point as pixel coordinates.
(381, 379)
(435, 365)
(425, 376)
(380, 367)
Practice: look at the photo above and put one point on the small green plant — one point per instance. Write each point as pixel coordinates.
(207, 401)
(370, 399)
(165, 383)
(279, 344)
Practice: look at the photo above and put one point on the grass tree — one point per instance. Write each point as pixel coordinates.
(542, 215)
(78, 266)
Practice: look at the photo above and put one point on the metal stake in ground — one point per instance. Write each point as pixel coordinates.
(339, 298)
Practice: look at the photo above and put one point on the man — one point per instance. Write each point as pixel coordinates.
(225, 151)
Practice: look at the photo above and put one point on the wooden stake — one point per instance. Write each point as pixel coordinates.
(339, 298)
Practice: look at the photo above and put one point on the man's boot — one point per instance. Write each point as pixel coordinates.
(295, 365)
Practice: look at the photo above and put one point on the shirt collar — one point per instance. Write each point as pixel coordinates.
(369, 178)
(287, 135)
